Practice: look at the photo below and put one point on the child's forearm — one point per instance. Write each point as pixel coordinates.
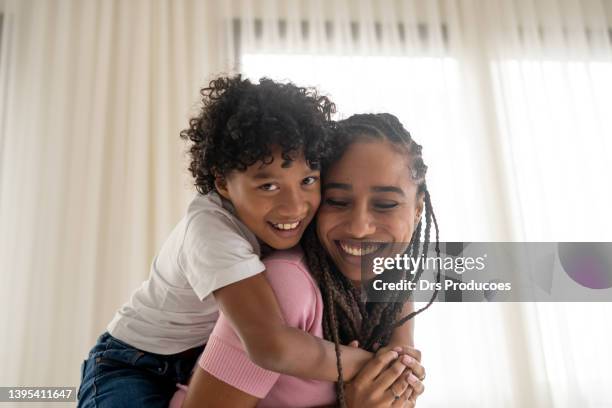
(251, 307)
(316, 358)
(300, 354)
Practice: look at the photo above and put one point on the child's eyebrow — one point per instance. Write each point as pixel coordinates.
(263, 175)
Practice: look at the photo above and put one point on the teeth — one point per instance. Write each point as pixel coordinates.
(360, 250)
(286, 226)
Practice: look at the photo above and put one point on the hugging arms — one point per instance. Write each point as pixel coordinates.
(226, 377)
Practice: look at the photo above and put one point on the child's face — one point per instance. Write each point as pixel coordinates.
(276, 201)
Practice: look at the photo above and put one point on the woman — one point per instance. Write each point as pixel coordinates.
(374, 192)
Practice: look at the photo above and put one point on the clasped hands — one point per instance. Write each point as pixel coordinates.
(393, 378)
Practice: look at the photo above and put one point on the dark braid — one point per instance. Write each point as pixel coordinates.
(346, 316)
(428, 207)
(334, 301)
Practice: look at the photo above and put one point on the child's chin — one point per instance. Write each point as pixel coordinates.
(280, 245)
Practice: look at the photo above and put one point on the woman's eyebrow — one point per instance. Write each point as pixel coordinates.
(388, 189)
(340, 186)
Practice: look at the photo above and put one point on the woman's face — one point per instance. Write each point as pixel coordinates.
(368, 197)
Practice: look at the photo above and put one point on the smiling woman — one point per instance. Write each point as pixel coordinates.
(374, 191)
(362, 201)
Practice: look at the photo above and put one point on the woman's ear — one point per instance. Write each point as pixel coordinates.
(221, 186)
(420, 205)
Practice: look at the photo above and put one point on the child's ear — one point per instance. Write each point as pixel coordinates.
(221, 186)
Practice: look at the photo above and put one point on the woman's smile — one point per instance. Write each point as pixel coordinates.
(359, 248)
(367, 205)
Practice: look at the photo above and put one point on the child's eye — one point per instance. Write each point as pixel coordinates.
(310, 180)
(336, 203)
(268, 187)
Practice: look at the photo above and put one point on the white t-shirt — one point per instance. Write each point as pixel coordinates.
(174, 310)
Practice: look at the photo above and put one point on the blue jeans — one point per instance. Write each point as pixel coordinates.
(118, 375)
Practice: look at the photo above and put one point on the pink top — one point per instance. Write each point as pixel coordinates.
(225, 358)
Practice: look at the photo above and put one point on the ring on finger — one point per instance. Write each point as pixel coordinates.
(395, 396)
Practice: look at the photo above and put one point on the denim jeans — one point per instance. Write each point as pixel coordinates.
(118, 375)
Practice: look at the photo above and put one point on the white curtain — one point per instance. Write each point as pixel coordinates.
(551, 68)
(92, 171)
(508, 97)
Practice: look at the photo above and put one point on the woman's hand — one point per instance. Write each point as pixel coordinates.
(375, 385)
(388, 380)
(415, 375)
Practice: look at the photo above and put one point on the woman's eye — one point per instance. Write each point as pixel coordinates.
(336, 203)
(268, 187)
(310, 180)
(385, 205)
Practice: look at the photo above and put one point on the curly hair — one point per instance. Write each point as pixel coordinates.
(346, 317)
(240, 121)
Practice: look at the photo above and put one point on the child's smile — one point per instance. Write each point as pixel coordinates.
(275, 200)
(287, 229)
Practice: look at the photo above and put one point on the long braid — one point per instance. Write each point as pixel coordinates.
(382, 314)
(319, 265)
(438, 274)
(320, 268)
(346, 317)
(333, 325)
(388, 317)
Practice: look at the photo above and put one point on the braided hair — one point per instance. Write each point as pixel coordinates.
(346, 316)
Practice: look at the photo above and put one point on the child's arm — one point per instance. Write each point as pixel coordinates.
(404, 335)
(251, 307)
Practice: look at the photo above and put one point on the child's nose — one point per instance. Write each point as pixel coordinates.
(292, 204)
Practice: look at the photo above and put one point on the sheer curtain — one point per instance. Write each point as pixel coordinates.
(508, 97)
(92, 171)
(551, 66)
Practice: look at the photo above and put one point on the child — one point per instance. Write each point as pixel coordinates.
(254, 156)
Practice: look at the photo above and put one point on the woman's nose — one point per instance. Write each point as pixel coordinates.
(361, 223)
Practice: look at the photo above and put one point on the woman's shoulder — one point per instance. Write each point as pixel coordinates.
(296, 291)
(289, 262)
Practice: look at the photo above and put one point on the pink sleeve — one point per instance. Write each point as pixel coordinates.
(224, 356)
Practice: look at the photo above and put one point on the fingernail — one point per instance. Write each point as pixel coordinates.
(412, 379)
(398, 349)
(395, 354)
(407, 360)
